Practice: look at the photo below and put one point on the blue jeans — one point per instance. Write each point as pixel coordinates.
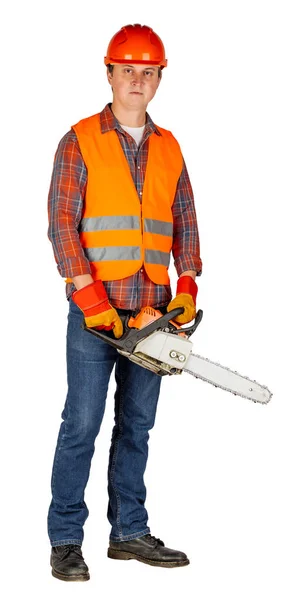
(90, 362)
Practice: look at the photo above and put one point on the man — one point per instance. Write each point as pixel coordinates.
(120, 201)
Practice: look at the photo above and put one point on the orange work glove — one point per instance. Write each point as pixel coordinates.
(93, 301)
(186, 294)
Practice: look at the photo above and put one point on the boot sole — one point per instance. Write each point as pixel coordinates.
(121, 555)
(83, 577)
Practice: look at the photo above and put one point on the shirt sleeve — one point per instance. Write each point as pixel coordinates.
(186, 243)
(65, 205)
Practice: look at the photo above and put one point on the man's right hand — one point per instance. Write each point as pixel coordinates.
(98, 312)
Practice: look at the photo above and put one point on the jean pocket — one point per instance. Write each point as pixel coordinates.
(74, 308)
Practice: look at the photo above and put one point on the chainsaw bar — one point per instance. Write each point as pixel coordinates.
(215, 372)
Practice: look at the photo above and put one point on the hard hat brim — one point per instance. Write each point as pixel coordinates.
(112, 61)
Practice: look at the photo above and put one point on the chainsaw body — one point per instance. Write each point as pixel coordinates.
(153, 340)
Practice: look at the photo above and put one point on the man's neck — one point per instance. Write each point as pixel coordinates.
(127, 117)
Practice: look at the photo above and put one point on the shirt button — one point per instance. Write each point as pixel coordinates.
(139, 167)
(142, 270)
(141, 193)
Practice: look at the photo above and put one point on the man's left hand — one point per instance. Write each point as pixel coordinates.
(186, 294)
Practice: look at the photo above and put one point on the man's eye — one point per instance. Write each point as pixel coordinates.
(128, 70)
(148, 73)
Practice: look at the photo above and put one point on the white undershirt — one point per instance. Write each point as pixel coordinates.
(135, 132)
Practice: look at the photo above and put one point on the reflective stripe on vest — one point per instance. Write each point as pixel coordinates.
(125, 222)
(157, 258)
(160, 227)
(113, 253)
(119, 231)
(109, 223)
(127, 253)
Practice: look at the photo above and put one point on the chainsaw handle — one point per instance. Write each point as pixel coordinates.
(192, 328)
(132, 336)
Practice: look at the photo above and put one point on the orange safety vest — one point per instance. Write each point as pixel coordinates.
(119, 231)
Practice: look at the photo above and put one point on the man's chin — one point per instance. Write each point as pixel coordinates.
(137, 100)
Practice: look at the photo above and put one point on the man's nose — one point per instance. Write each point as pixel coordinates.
(137, 78)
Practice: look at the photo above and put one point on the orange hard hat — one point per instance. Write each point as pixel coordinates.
(137, 44)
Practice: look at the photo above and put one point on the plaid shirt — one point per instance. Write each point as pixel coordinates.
(65, 207)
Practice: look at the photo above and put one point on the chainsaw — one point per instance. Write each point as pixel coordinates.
(156, 342)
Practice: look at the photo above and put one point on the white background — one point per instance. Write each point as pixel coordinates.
(223, 473)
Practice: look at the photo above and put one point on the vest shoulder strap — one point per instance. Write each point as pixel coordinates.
(170, 138)
(88, 124)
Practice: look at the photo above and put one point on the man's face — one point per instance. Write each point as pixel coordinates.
(134, 85)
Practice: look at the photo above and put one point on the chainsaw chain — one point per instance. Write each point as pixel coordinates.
(225, 388)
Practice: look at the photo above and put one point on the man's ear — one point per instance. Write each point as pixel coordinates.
(109, 77)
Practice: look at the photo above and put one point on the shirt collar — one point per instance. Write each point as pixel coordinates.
(108, 121)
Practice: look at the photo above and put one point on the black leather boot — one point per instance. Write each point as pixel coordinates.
(147, 549)
(68, 564)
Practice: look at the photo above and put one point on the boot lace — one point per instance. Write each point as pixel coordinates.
(71, 548)
(154, 540)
